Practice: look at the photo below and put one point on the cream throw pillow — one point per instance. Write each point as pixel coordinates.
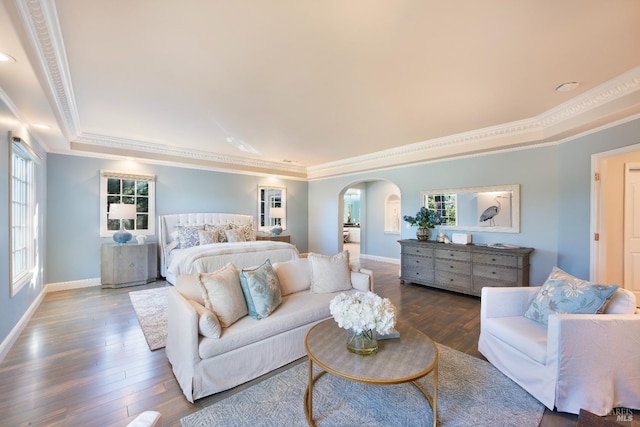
(208, 324)
(222, 294)
(330, 273)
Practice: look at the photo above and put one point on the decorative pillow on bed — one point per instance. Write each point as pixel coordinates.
(219, 230)
(222, 294)
(207, 237)
(330, 273)
(188, 236)
(208, 324)
(564, 293)
(247, 230)
(235, 235)
(261, 290)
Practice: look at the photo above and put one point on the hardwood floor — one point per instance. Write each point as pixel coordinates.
(82, 360)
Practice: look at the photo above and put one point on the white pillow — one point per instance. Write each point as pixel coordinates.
(223, 295)
(189, 286)
(207, 237)
(294, 275)
(622, 301)
(208, 324)
(330, 273)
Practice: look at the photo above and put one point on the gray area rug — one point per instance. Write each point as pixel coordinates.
(471, 392)
(151, 306)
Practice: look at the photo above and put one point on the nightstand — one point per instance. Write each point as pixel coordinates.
(278, 238)
(128, 265)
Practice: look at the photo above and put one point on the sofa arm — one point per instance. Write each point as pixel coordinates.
(182, 340)
(362, 280)
(505, 302)
(598, 356)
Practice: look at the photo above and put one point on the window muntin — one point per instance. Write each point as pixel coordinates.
(139, 190)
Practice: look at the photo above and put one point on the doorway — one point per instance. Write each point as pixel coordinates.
(610, 262)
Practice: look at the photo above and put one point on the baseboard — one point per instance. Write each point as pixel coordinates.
(74, 284)
(381, 259)
(8, 342)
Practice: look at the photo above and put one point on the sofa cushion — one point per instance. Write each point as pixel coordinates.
(223, 295)
(623, 301)
(208, 324)
(261, 290)
(330, 273)
(296, 310)
(294, 275)
(563, 293)
(189, 286)
(523, 334)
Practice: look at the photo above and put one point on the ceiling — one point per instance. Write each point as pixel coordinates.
(310, 89)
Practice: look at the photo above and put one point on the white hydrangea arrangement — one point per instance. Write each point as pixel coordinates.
(363, 311)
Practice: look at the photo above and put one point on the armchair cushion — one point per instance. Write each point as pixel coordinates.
(563, 293)
(523, 334)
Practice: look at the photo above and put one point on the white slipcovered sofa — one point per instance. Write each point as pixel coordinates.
(589, 361)
(248, 348)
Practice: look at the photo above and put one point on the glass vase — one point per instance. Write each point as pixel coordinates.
(422, 233)
(364, 343)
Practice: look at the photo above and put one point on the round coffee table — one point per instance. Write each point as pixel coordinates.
(399, 360)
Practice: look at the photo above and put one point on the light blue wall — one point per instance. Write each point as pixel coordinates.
(12, 308)
(73, 213)
(554, 200)
(376, 240)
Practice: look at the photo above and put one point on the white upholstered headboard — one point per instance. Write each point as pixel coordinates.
(168, 224)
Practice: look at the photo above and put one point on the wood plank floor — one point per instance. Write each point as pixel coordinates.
(82, 360)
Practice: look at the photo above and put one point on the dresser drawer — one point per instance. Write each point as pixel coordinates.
(503, 274)
(417, 250)
(504, 260)
(452, 266)
(455, 255)
(445, 278)
(413, 274)
(412, 261)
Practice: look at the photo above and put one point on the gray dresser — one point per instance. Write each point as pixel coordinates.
(128, 265)
(463, 268)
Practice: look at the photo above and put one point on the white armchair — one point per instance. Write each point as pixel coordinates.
(577, 361)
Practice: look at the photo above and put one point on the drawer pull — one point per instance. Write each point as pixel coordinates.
(493, 259)
(450, 254)
(451, 266)
(493, 272)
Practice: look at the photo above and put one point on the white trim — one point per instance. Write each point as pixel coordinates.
(388, 260)
(14, 334)
(74, 284)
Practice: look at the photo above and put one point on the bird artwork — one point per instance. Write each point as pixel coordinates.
(491, 212)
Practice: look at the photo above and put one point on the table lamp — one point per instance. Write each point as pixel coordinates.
(122, 211)
(276, 213)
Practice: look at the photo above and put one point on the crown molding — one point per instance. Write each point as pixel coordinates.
(42, 26)
(166, 151)
(615, 93)
(605, 102)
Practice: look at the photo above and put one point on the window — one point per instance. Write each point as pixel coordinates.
(138, 190)
(445, 205)
(23, 214)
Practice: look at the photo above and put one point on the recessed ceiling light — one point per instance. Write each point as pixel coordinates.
(566, 87)
(4, 57)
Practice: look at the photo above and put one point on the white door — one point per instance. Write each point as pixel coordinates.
(632, 228)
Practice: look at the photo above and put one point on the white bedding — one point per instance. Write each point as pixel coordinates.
(209, 258)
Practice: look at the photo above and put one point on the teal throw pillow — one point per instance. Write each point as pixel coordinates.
(261, 290)
(563, 293)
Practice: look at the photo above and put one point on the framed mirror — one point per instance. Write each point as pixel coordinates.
(272, 207)
(492, 209)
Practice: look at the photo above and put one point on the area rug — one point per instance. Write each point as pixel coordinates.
(471, 392)
(151, 308)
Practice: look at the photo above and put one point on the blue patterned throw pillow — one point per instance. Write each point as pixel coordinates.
(563, 293)
(261, 290)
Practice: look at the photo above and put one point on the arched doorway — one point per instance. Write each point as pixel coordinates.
(369, 219)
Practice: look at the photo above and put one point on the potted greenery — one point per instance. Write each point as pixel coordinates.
(424, 219)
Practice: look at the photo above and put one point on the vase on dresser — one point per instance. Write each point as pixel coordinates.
(422, 233)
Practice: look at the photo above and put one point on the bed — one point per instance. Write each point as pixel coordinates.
(203, 257)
